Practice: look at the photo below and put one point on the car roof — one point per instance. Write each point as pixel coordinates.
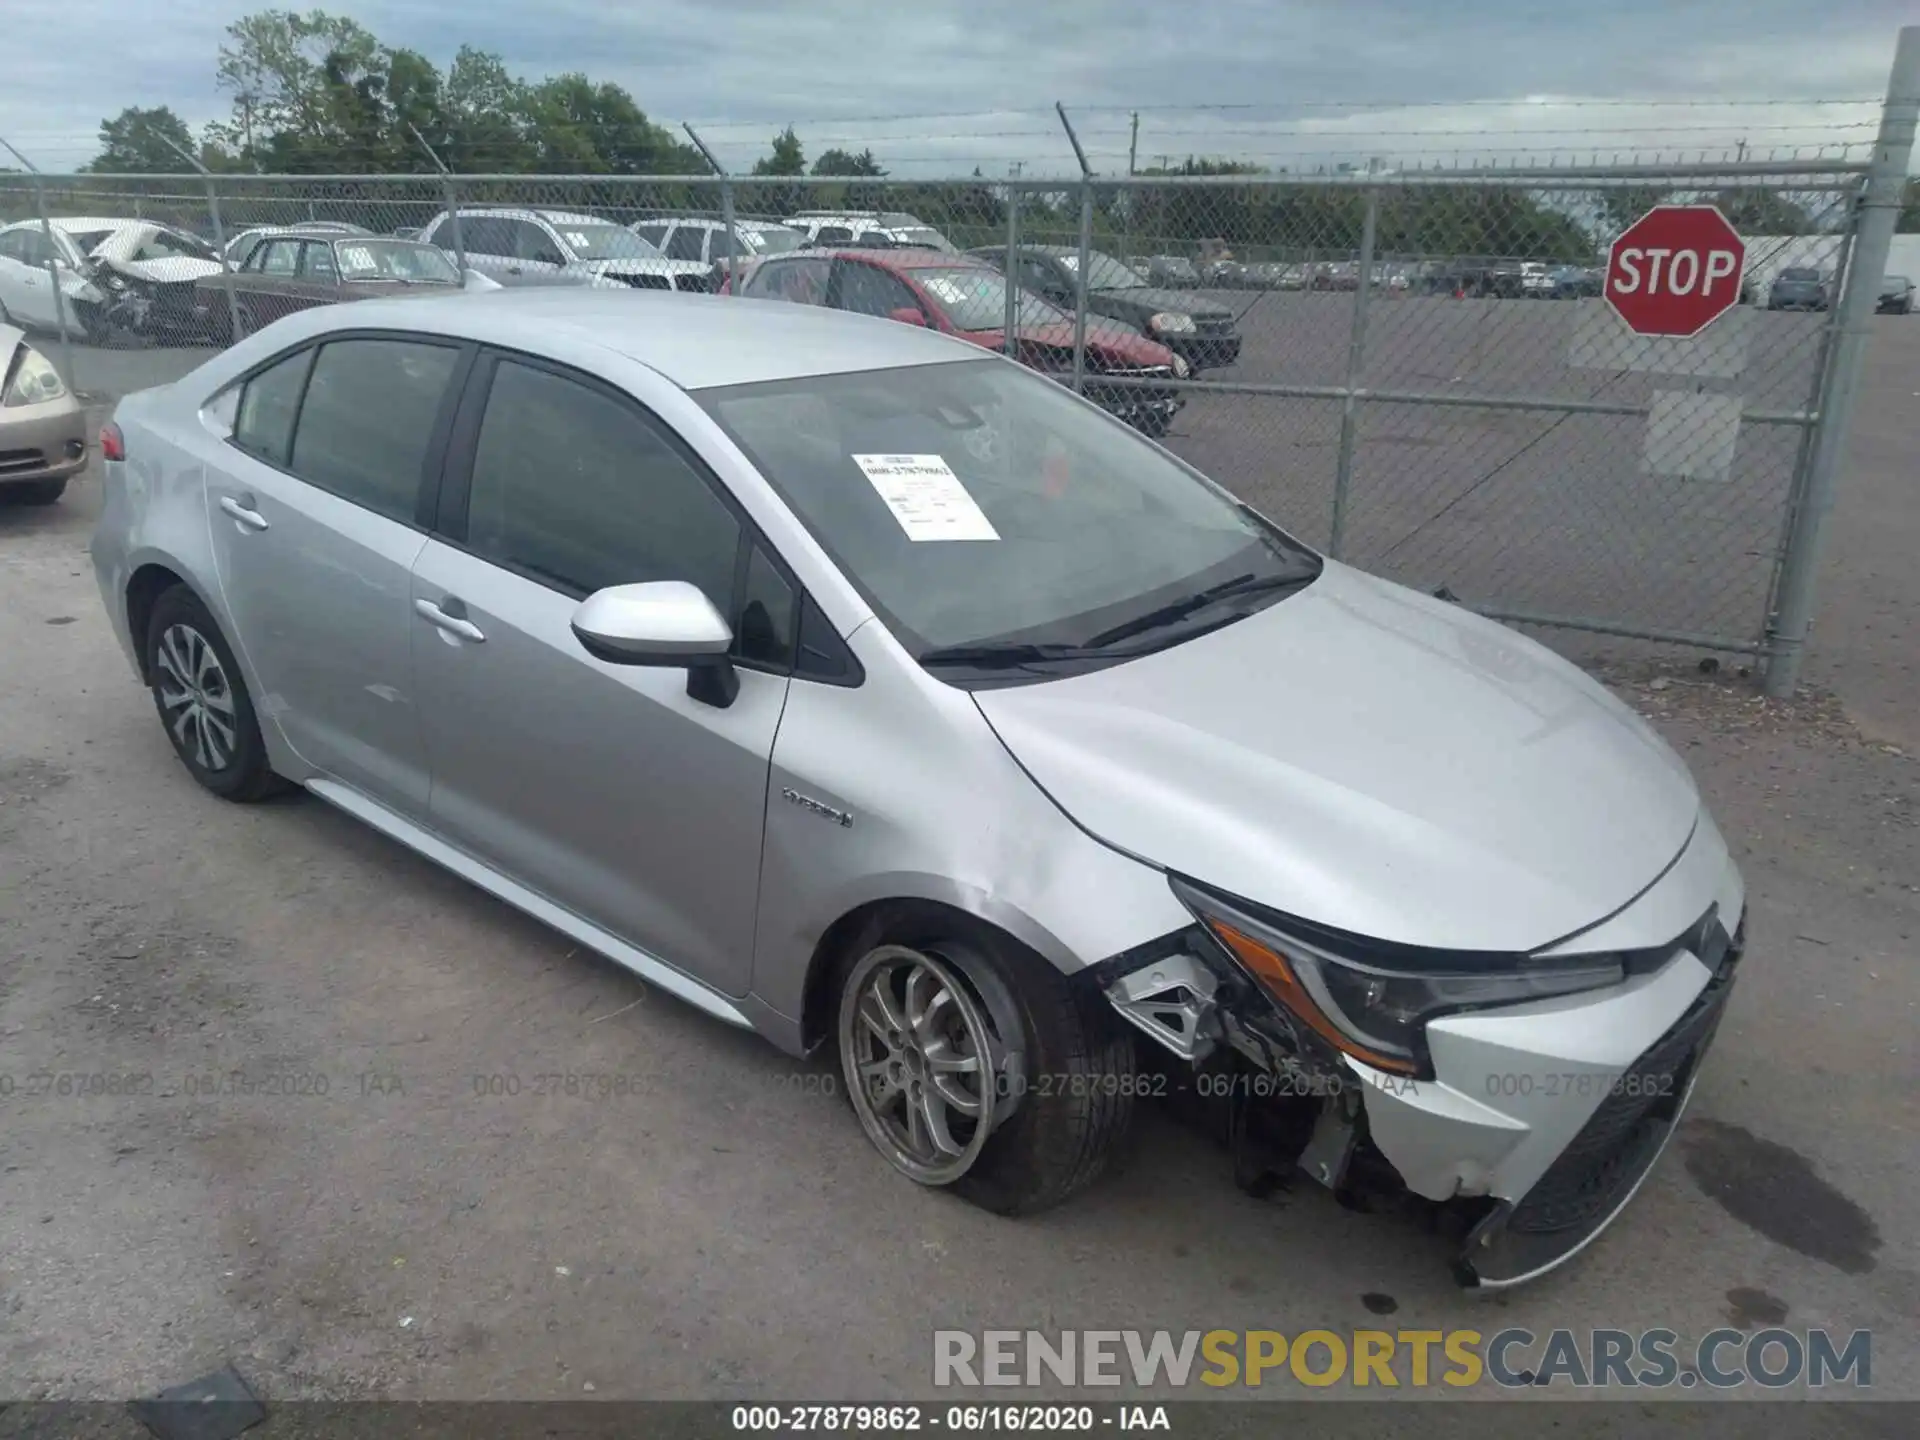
(78, 222)
(696, 341)
(533, 212)
(899, 257)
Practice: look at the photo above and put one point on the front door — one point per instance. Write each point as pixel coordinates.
(606, 788)
(315, 531)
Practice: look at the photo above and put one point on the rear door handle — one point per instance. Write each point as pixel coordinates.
(452, 624)
(241, 509)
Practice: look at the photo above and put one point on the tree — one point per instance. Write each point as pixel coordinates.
(787, 158)
(1760, 211)
(135, 142)
(838, 162)
(485, 113)
(276, 66)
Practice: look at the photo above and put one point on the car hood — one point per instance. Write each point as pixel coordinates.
(1149, 300)
(1108, 348)
(1369, 758)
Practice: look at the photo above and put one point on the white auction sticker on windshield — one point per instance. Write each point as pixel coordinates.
(926, 497)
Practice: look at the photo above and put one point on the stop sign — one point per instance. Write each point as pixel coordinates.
(1675, 270)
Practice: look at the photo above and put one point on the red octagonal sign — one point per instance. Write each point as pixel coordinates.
(1675, 270)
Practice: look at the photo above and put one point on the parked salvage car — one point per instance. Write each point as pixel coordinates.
(117, 276)
(1798, 287)
(704, 238)
(518, 247)
(961, 295)
(1575, 282)
(879, 695)
(1896, 296)
(1200, 331)
(289, 272)
(43, 428)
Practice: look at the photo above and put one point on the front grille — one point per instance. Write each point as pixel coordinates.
(647, 282)
(1615, 1146)
(18, 462)
(704, 284)
(1146, 372)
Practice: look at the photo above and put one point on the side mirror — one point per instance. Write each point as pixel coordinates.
(664, 623)
(907, 315)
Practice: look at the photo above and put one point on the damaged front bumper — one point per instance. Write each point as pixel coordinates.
(1536, 1124)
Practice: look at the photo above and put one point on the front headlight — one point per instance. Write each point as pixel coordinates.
(35, 382)
(1171, 322)
(1373, 1001)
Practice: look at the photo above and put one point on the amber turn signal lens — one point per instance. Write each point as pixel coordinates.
(1272, 970)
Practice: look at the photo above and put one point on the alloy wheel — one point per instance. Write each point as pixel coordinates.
(923, 1062)
(196, 698)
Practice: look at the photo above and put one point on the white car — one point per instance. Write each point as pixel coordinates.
(114, 273)
(885, 228)
(518, 247)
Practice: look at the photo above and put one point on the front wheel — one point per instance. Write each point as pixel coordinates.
(972, 1063)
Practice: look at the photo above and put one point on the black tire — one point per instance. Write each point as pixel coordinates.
(227, 756)
(1076, 1063)
(1153, 425)
(40, 492)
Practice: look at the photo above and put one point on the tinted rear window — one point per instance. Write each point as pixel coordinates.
(368, 419)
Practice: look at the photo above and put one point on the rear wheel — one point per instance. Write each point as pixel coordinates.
(972, 1063)
(203, 702)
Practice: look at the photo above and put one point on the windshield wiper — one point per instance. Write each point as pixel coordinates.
(1008, 656)
(1188, 604)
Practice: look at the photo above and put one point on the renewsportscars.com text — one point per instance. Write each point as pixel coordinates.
(1390, 1359)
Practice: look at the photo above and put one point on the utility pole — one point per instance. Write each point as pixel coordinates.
(1133, 145)
(1741, 151)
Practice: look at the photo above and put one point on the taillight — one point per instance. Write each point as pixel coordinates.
(113, 445)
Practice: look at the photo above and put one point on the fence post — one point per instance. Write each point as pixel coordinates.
(1085, 253)
(53, 274)
(452, 193)
(1875, 215)
(226, 263)
(1009, 339)
(1356, 360)
(734, 255)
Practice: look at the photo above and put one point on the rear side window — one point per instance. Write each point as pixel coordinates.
(268, 404)
(579, 490)
(368, 420)
(686, 243)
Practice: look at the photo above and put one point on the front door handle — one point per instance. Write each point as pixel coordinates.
(452, 624)
(241, 509)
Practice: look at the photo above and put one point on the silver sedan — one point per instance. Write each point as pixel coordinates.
(881, 695)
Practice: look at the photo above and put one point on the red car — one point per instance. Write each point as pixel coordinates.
(968, 298)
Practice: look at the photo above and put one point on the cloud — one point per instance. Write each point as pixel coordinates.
(1308, 80)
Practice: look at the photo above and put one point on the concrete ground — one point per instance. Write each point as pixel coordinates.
(392, 1226)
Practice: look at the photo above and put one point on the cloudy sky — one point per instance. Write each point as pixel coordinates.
(943, 83)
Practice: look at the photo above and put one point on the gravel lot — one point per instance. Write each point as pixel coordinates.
(724, 1231)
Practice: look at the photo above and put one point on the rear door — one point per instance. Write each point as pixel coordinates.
(271, 274)
(606, 788)
(25, 287)
(316, 522)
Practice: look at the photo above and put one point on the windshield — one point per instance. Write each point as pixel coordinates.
(771, 242)
(166, 244)
(975, 298)
(1895, 285)
(598, 240)
(85, 240)
(976, 503)
(1796, 274)
(395, 260)
(1103, 271)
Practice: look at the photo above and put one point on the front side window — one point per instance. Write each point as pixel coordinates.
(577, 489)
(531, 242)
(869, 290)
(319, 263)
(367, 420)
(278, 257)
(686, 243)
(653, 234)
(264, 424)
(976, 504)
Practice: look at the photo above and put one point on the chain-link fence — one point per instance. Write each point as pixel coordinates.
(1417, 371)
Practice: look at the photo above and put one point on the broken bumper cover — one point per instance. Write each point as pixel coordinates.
(1557, 1111)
